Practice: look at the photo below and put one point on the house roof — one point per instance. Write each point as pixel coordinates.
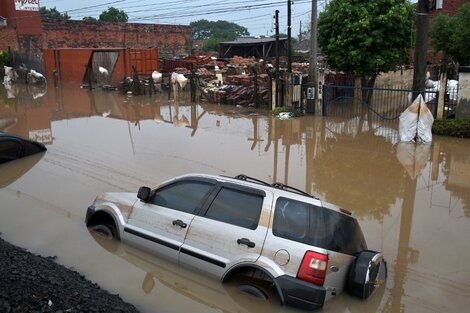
(252, 40)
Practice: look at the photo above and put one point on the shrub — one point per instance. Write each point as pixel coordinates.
(452, 127)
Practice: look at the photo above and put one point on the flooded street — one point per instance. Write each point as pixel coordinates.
(412, 202)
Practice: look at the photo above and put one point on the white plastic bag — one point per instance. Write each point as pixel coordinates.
(156, 76)
(414, 127)
(425, 122)
(409, 122)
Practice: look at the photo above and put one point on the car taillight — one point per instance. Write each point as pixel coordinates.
(313, 268)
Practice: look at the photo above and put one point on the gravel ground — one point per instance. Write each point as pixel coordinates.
(31, 283)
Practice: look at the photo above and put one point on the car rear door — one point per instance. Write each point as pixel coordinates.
(230, 229)
(161, 224)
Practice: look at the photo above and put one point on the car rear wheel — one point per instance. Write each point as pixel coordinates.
(253, 290)
(253, 282)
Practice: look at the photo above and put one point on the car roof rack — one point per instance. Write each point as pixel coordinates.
(292, 189)
(251, 179)
(274, 185)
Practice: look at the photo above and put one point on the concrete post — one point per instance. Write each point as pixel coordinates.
(463, 104)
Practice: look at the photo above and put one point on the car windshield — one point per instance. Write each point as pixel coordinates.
(317, 226)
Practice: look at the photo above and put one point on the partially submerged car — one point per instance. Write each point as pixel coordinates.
(13, 147)
(266, 237)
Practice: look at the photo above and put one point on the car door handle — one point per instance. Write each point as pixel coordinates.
(246, 242)
(179, 223)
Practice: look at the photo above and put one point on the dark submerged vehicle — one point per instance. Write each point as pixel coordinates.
(13, 147)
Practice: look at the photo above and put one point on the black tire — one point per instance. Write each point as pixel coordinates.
(104, 230)
(253, 290)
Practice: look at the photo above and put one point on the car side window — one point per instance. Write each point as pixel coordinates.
(183, 196)
(291, 220)
(236, 207)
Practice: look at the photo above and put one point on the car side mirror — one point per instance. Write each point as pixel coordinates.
(144, 193)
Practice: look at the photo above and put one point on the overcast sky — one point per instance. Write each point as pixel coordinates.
(256, 15)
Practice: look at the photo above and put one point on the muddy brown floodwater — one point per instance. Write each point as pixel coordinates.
(413, 202)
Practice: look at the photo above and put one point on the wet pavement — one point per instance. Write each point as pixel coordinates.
(413, 202)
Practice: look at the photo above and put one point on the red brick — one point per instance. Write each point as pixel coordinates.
(8, 38)
(169, 39)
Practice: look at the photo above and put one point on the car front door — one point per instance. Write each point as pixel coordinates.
(230, 229)
(161, 223)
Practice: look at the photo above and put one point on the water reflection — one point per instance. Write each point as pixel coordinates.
(186, 283)
(412, 201)
(212, 293)
(13, 170)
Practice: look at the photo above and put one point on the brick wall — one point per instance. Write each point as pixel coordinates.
(30, 43)
(450, 7)
(170, 40)
(8, 38)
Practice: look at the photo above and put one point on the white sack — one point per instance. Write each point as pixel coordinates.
(103, 71)
(36, 75)
(413, 127)
(10, 74)
(452, 88)
(409, 122)
(182, 81)
(425, 122)
(156, 76)
(178, 78)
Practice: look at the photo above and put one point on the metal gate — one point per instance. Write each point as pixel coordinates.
(385, 104)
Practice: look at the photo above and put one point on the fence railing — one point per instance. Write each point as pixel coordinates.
(386, 104)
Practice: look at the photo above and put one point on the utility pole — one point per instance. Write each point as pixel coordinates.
(277, 59)
(312, 71)
(421, 48)
(289, 37)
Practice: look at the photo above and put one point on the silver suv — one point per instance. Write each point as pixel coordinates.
(267, 238)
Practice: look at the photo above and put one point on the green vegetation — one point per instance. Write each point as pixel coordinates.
(53, 14)
(450, 35)
(214, 33)
(113, 15)
(89, 19)
(365, 38)
(452, 127)
(4, 58)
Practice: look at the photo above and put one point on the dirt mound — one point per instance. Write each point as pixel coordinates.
(31, 283)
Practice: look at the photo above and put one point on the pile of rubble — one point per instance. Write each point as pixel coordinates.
(235, 81)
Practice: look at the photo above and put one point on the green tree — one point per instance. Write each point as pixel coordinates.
(113, 15)
(451, 35)
(365, 38)
(223, 30)
(214, 33)
(53, 14)
(89, 19)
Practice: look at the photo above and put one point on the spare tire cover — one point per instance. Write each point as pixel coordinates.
(367, 271)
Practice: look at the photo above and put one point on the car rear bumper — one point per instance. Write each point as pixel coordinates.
(301, 294)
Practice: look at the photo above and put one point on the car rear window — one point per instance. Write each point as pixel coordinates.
(317, 226)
